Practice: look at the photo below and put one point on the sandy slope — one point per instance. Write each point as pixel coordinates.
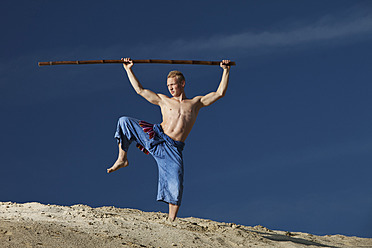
(37, 225)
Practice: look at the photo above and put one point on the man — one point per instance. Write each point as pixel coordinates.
(165, 141)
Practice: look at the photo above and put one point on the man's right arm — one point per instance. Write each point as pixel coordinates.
(145, 93)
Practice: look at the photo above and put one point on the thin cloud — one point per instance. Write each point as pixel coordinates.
(323, 31)
(327, 31)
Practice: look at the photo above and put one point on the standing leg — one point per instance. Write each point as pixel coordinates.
(122, 161)
(173, 210)
(170, 183)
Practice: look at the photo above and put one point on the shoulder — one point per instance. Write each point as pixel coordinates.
(197, 98)
(163, 97)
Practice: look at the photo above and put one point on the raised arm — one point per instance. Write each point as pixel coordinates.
(145, 93)
(221, 91)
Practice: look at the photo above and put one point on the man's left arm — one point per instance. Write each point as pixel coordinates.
(221, 91)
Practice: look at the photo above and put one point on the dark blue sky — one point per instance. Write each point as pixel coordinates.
(289, 147)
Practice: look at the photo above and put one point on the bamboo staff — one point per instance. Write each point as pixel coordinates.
(135, 61)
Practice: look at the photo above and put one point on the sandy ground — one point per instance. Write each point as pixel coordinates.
(37, 225)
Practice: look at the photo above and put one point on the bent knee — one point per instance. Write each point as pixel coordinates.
(125, 120)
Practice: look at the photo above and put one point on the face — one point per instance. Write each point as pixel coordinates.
(175, 88)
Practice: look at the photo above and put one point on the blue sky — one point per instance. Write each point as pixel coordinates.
(289, 147)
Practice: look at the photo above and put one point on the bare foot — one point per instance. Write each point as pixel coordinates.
(118, 164)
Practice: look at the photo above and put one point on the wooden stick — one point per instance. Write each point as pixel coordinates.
(135, 61)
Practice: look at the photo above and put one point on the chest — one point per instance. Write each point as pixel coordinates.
(175, 108)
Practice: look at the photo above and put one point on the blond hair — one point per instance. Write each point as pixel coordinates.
(178, 75)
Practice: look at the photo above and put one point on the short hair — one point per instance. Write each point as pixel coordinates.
(178, 75)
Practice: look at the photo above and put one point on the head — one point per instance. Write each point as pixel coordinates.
(176, 83)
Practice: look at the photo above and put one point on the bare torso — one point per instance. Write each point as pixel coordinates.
(179, 113)
(179, 116)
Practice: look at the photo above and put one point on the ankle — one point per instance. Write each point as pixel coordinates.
(122, 157)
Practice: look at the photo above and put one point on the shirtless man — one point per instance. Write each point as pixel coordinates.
(165, 141)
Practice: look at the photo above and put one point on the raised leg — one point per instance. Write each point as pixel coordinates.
(173, 210)
(121, 162)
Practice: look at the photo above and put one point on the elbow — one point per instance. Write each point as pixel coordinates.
(139, 91)
(221, 94)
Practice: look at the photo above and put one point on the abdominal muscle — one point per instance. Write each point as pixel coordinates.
(178, 119)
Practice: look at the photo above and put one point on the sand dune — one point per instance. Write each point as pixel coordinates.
(37, 225)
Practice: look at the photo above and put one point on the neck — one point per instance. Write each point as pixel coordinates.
(180, 97)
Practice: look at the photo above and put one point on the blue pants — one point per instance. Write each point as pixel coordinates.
(166, 151)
